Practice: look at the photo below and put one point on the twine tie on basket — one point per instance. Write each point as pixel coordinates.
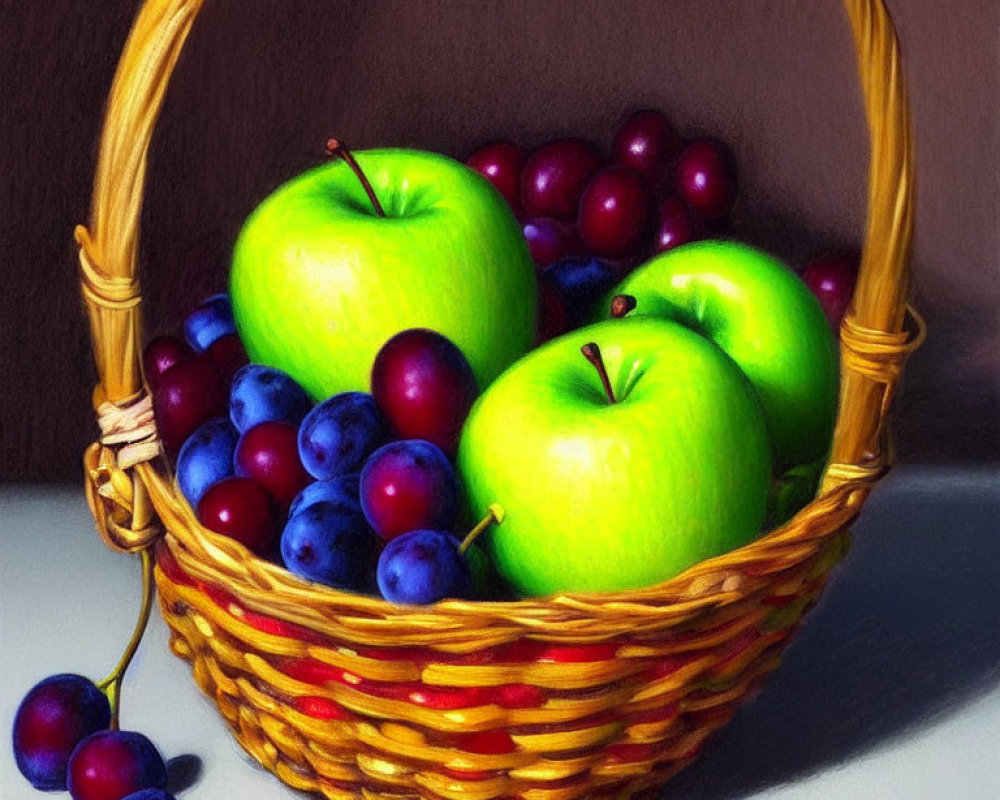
(107, 291)
(128, 437)
(879, 356)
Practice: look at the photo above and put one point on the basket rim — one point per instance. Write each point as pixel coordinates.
(711, 584)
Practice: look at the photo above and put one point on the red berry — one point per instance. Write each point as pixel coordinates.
(554, 176)
(705, 179)
(228, 355)
(614, 210)
(242, 510)
(550, 239)
(501, 163)
(832, 278)
(674, 226)
(406, 485)
(186, 396)
(161, 354)
(268, 453)
(424, 386)
(646, 142)
(109, 765)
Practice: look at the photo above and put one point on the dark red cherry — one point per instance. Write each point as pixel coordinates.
(646, 142)
(614, 210)
(501, 163)
(832, 278)
(674, 226)
(268, 454)
(109, 765)
(186, 396)
(424, 387)
(161, 354)
(705, 178)
(243, 510)
(554, 176)
(551, 239)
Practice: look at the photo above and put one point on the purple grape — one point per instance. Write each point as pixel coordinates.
(114, 764)
(150, 794)
(421, 567)
(581, 282)
(407, 485)
(329, 542)
(263, 394)
(210, 320)
(343, 487)
(54, 716)
(205, 458)
(338, 435)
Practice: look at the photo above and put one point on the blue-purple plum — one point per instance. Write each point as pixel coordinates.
(53, 718)
(329, 542)
(581, 281)
(338, 434)
(343, 487)
(206, 457)
(423, 566)
(263, 394)
(211, 319)
(150, 794)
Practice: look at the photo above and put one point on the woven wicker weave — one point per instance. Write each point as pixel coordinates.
(601, 695)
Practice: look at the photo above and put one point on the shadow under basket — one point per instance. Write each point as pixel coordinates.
(579, 695)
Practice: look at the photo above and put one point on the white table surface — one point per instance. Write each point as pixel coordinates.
(891, 691)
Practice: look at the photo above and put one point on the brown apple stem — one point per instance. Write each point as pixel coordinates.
(622, 304)
(495, 515)
(334, 147)
(593, 354)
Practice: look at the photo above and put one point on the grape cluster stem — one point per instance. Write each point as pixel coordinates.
(111, 685)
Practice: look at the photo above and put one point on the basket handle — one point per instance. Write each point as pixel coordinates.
(875, 344)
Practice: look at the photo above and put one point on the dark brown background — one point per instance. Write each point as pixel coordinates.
(262, 85)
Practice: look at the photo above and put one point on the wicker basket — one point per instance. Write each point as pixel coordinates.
(600, 695)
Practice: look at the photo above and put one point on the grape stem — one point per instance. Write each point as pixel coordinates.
(111, 685)
(335, 147)
(495, 514)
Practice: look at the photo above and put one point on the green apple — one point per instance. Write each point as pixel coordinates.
(319, 281)
(761, 314)
(602, 496)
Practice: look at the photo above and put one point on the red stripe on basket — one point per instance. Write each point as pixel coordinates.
(519, 695)
(662, 667)
(309, 670)
(633, 752)
(486, 743)
(467, 774)
(527, 651)
(320, 708)
(317, 673)
(655, 714)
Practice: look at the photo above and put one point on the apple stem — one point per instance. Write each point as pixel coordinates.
(622, 304)
(495, 514)
(593, 354)
(334, 147)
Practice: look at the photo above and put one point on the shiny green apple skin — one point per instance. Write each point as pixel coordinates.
(605, 497)
(319, 282)
(763, 315)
